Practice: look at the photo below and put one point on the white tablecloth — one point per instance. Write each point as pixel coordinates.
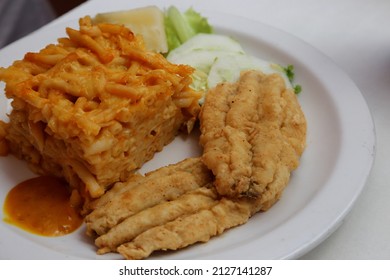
(355, 34)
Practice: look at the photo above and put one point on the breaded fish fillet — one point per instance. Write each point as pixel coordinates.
(165, 212)
(188, 229)
(141, 193)
(196, 215)
(193, 214)
(253, 132)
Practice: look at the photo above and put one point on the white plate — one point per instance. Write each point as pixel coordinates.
(321, 192)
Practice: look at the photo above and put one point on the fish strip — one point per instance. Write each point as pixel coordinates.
(249, 129)
(187, 230)
(192, 202)
(146, 194)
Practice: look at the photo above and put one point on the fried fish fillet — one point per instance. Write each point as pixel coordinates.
(188, 229)
(253, 133)
(193, 214)
(142, 192)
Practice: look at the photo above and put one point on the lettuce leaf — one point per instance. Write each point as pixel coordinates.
(173, 40)
(198, 23)
(179, 27)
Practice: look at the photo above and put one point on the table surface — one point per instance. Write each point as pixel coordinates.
(355, 34)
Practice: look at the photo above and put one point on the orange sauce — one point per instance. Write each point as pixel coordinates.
(42, 206)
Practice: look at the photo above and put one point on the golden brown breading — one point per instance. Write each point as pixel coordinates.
(140, 193)
(155, 212)
(159, 215)
(189, 229)
(253, 133)
(194, 215)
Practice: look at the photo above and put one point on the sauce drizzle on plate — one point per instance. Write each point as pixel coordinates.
(42, 206)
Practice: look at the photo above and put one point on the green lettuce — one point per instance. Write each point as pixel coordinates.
(179, 27)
